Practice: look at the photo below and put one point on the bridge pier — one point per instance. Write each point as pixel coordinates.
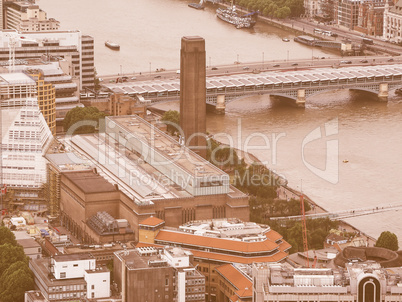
(301, 98)
(383, 92)
(220, 104)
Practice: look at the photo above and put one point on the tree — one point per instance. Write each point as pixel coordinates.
(97, 84)
(6, 236)
(388, 240)
(172, 119)
(85, 119)
(15, 281)
(10, 254)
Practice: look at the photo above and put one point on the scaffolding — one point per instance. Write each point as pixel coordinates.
(53, 191)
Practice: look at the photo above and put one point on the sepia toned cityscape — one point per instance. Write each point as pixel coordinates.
(211, 151)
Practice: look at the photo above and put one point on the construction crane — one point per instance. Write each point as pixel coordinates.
(304, 229)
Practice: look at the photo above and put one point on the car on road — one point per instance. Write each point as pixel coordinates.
(363, 61)
(390, 60)
(276, 65)
(346, 62)
(295, 64)
(157, 77)
(246, 68)
(133, 78)
(214, 68)
(124, 78)
(334, 35)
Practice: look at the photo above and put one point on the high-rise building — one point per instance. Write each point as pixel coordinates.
(26, 16)
(70, 45)
(25, 138)
(193, 93)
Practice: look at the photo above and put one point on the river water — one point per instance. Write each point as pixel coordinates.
(363, 141)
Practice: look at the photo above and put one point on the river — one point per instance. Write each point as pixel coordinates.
(364, 165)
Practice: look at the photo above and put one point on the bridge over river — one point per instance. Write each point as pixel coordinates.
(295, 84)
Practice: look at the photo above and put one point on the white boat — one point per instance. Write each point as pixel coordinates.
(112, 45)
(285, 40)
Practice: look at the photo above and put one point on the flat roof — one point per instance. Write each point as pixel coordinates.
(168, 147)
(16, 78)
(73, 257)
(27, 243)
(89, 182)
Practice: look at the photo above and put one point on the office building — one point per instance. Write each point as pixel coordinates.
(70, 45)
(358, 282)
(70, 277)
(149, 274)
(193, 93)
(348, 13)
(57, 90)
(25, 16)
(25, 139)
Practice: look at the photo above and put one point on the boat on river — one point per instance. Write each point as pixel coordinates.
(197, 5)
(231, 16)
(111, 45)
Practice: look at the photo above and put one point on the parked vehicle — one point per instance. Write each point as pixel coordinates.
(368, 41)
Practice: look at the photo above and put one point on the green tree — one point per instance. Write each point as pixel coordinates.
(388, 240)
(9, 254)
(15, 280)
(172, 119)
(6, 236)
(97, 84)
(85, 119)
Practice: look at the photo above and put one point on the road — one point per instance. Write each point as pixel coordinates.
(256, 67)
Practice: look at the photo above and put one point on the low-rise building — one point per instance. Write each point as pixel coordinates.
(31, 248)
(392, 22)
(218, 242)
(70, 277)
(138, 171)
(358, 282)
(149, 274)
(235, 285)
(371, 18)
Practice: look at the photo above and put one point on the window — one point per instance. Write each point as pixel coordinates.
(62, 274)
(92, 286)
(75, 265)
(166, 281)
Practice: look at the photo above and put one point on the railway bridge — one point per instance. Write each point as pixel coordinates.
(295, 84)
